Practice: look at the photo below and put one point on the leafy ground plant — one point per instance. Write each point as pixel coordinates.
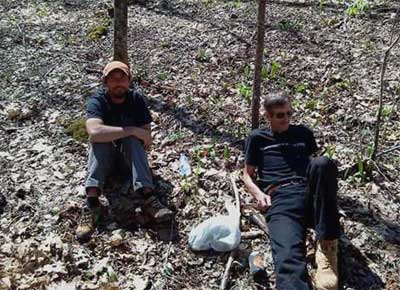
(357, 7)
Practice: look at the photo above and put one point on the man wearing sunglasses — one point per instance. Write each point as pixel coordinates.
(297, 192)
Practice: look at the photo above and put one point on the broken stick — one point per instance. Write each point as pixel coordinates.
(259, 220)
(251, 235)
(225, 277)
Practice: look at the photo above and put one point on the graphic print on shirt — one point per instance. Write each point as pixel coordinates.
(280, 156)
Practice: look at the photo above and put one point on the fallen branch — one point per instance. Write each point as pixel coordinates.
(395, 147)
(259, 220)
(236, 192)
(93, 71)
(225, 277)
(252, 235)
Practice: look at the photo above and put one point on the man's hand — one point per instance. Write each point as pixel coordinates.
(142, 134)
(263, 201)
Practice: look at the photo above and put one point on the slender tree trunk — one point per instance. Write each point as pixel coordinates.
(255, 104)
(378, 118)
(121, 31)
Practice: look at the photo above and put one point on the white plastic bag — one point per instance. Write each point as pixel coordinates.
(220, 233)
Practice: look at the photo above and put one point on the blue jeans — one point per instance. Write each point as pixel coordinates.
(296, 207)
(104, 159)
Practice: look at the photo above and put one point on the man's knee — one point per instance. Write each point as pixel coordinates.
(132, 142)
(101, 158)
(323, 164)
(101, 151)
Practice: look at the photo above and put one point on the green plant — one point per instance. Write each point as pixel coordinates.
(162, 76)
(296, 104)
(321, 4)
(42, 11)
(301, 88)
(77, 129)
(189, 99)
(208, 3)
(368, 45)
(330, 151)
(357, 7)
(264, 72)
(343, 85)
(312, 104)
(386, 111)
(12, 18)
(211, 151)
(246, 71)
(176, 136)
(370, 150)
(275, 68)
(245, 91)
(237, 3)
(197, 154)
(289, 25)
(360, 165)
(227, 153)
(202, 55)
(186, 185)
(97, 31)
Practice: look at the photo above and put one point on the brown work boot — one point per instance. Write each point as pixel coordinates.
(87, 223)
(156, 210)
(326, 277)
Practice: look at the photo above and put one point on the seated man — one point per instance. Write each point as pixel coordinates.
(298, 192)
(118, 124)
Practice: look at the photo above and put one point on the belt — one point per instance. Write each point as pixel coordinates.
(284, 183)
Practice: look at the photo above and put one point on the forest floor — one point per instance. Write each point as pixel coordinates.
(194, 61)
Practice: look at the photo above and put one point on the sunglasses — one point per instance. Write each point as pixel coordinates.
(282, 115)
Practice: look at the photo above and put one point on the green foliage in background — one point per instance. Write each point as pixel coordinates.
(77, 130)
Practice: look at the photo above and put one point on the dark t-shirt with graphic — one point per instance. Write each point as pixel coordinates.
(280, 156)
(132, 112)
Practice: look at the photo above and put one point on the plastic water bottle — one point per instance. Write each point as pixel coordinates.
(184, 166)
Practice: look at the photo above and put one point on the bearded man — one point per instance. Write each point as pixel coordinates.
(118, 124)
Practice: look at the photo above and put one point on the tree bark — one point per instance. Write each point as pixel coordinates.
(121, 31)
(255, 103)
(378, 118)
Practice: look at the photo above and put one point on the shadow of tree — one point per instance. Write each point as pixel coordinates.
(166, 8)
(355, 271)
(388, 230)
(126, 208)
(308, 4)
(199, 127)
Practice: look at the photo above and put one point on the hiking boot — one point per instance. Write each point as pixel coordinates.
(156, 210)
(87, 223)
(326, 277)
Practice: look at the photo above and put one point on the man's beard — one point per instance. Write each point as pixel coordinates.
(119, 93)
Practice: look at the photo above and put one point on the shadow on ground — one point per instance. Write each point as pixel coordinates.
(389, 231)
(355, 272)
(199, 127)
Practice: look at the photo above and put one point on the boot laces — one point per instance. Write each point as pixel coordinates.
(328, 257)
(86, 217)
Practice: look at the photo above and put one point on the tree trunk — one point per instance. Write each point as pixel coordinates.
(255, 103)
(121, 31)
